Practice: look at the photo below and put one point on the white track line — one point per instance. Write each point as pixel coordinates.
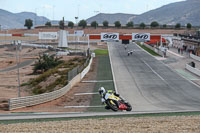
(114, 80)
(170, 67)
(96, 81)
(153, 70)
(83, 106)
(175, 53)
(92, 93)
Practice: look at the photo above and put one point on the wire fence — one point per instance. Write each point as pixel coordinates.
(75, 71)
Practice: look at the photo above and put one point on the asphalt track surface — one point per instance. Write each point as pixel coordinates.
(148, 84)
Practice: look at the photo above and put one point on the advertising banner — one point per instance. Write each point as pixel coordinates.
(48, 35)
(109, 36)
(79, 32)
(143, 37)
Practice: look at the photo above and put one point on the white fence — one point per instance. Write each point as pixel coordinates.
(86, 70)
(195, 57)
(158, 51)
(15, 103)
(192, 69)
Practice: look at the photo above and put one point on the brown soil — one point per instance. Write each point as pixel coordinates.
(9, 88)
(97, 31)
(69, 99)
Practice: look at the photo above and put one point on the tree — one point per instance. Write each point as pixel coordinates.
(178, 25)
(189, 26)
(154, 24)
(28, 23)
(48, 24)
(61, 24)
(94, 24)
(130, 24)
(117, 24)
(46, 62)
(105, 23)
(82, 23)
(71, 24)
(142, 25)
(164, 26)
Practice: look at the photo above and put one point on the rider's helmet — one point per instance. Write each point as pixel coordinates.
(101, 90)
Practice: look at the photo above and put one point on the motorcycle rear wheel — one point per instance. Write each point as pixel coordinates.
(129, 107)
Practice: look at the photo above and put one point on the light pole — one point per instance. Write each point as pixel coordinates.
(76, 19)
(18, 48)
(96, 14)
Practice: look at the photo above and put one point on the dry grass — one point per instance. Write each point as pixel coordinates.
(166, 124)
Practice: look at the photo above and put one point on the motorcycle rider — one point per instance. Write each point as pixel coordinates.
(103, 92)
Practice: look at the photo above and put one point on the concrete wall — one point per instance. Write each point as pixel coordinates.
(195, 57)
(192, 69)
(158, 51)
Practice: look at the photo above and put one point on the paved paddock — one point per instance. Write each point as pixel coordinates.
(148, 84)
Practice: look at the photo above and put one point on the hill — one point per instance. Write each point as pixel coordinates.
(179, 12)
(9, 20)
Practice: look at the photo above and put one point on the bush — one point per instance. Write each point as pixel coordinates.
(46, 62)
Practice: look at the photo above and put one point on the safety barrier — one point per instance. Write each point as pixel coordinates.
(15, 103)
(192, 69)
(195, 57)
(158, 51)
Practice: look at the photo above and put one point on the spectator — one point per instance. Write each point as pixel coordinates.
(178, 50)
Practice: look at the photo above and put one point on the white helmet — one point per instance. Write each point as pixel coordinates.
(101, 90)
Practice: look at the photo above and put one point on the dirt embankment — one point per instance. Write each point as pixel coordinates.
(9, 88)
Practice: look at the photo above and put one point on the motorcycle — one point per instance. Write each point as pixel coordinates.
(117, 103)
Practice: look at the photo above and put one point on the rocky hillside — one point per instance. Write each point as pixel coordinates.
(179, 12)
(9, 20)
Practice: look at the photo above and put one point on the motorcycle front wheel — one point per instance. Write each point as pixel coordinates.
(112, 105)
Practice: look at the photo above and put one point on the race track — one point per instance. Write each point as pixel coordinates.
(148, 84)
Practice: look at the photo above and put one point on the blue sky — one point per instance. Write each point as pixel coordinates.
(56, 9)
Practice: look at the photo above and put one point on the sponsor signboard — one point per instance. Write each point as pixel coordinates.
(48, 35)
(143, 37)
(79, 32)
(109, 36)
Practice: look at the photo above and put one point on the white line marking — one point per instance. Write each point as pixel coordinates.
(153, 70)
(170, 68)
(175, 53)
(92, 93)
(114, 80)
(95, 81)
(83, 106)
